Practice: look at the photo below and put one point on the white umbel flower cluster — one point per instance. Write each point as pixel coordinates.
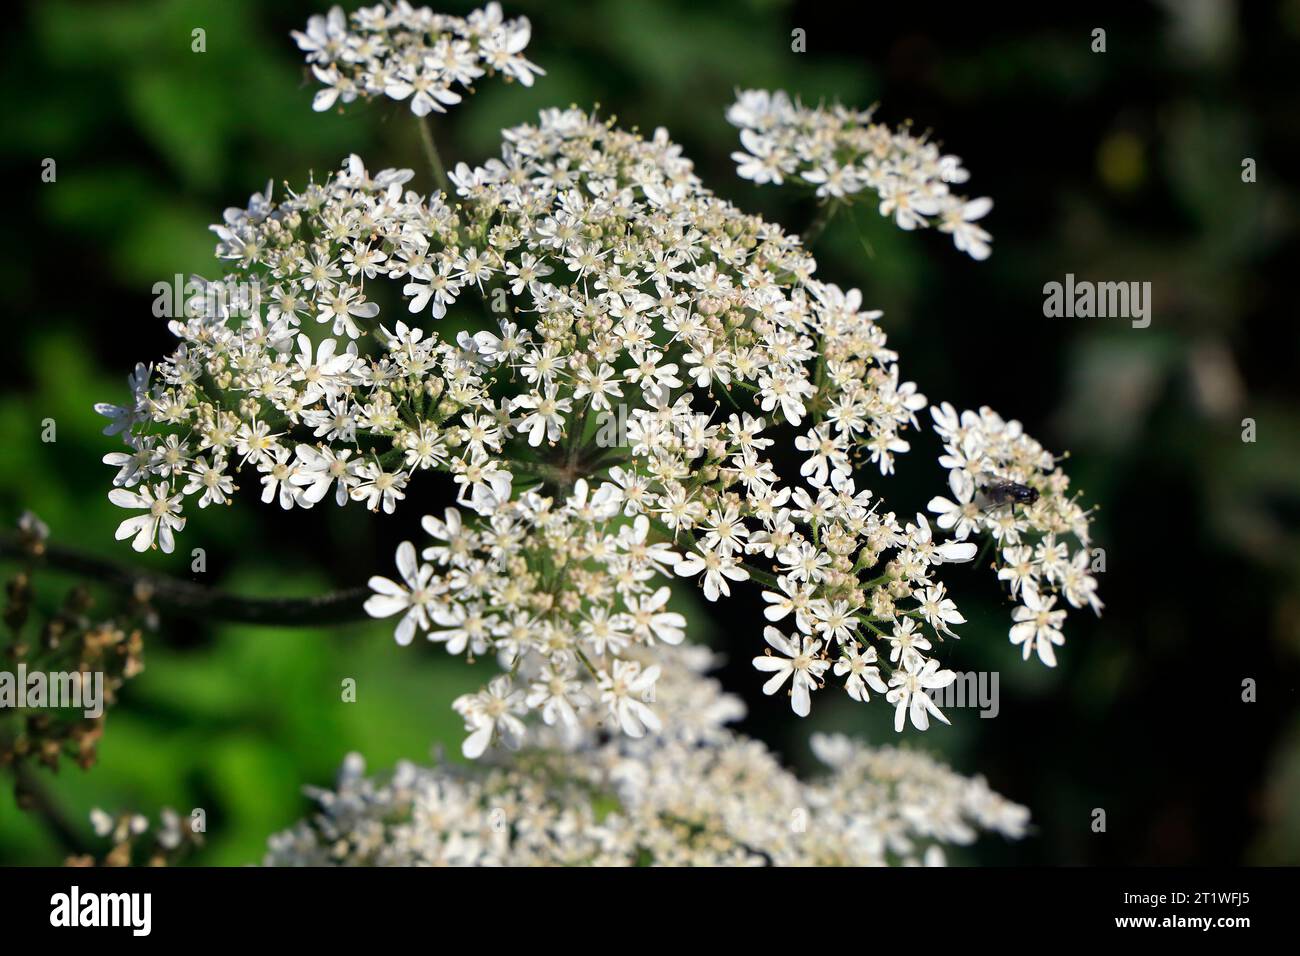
(694, 793)
(840, 152)
(412, 54)
(645, 356)
(674, 307)
(1042, 545)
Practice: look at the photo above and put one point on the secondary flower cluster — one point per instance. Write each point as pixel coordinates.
(309, 256)
(841, 151)
(1042, 542)
(412, 53)
(693, 793)
(557, 590)
(313, 417)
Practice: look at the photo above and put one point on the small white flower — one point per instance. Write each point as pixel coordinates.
(492, 712)
(1037, 626)
(859, 671)
(802, 665)
(154, 528)
(626, 691)
(908, 693)
(411, 598)
(718, 569)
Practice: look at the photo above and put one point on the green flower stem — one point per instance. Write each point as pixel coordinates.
(431, 154)
(815, 228)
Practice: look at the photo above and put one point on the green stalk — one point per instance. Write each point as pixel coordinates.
(431, 154)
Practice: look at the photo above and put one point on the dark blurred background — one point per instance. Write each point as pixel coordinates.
(1117, 166)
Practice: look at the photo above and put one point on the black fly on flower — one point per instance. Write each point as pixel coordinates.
(994, 491)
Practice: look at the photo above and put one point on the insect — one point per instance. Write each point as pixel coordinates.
(994, 492)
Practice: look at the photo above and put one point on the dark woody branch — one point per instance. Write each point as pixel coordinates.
(185, 597)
